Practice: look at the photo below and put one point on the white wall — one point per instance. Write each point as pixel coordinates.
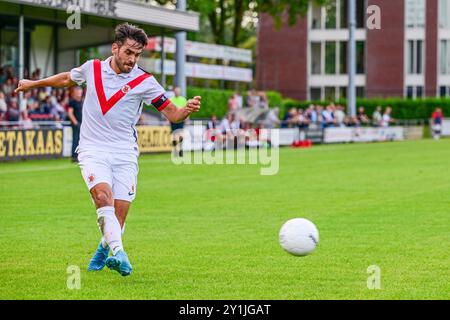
(41, 55)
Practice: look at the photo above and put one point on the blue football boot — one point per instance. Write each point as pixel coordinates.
(120, 263)
(98, 261)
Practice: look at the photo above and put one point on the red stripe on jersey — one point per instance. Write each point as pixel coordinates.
(164, 105)
(157, 98)
(106, 105)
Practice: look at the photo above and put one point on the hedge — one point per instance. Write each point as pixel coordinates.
(420, 109)
(215, 101)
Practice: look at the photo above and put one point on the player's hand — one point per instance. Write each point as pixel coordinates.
(193, 105)
(24, 85)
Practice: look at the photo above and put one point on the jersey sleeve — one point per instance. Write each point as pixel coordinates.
(155, 95)
(79, 74)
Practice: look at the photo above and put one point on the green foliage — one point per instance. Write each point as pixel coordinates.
(214, 101)
(225, 18)
(420, 109)
(275, 99)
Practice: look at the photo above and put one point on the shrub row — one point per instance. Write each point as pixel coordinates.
(215, 101)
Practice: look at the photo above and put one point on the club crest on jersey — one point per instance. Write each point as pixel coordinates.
(91, 178)
(126, 88)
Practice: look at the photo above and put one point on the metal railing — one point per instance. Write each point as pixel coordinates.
(27, 124)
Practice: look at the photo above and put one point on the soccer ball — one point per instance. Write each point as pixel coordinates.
(299, 237)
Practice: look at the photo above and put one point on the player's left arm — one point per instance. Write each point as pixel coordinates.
(175, 115)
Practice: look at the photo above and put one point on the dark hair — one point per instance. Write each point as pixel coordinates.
(126, 31)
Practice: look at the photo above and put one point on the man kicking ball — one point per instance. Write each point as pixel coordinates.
(117, 88)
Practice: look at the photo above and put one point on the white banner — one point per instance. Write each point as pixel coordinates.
(337, 135)
(200, 70)
(445, 128)
(202, 50)
(288, 136)
(67, 141)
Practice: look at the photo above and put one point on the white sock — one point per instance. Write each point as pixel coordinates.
(103, 241)
(110, 228)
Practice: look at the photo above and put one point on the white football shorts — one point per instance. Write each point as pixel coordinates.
(119, 170)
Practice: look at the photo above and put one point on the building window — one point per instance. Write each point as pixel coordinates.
(444, 91)
(445, 57)
(343, 7)
(316, 58)
(342, 92)
(330, 57)
(315, 94)
(419, 92)
(415, 57)
(360, 14)
(331, 15)
(444, 14)
(343, 57)
(414, 92)
(415, 13)
(335, 15)
(330, 93)
(360, 92)
(316, 22)
(360, 57)
(410, 92)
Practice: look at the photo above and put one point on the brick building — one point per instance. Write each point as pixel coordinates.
(408, 57)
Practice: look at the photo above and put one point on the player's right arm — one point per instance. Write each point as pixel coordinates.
(59, 80)
(76, 76)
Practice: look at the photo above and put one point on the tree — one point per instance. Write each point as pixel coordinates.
(224, 16)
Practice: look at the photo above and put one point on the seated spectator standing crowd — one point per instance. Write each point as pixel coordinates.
(335, 116)
(43, 104)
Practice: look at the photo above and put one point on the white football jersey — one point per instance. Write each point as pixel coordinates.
(113, 105)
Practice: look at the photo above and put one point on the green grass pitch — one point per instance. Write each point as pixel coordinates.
(211, 232)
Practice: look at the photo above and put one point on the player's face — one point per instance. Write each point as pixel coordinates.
(127, 55)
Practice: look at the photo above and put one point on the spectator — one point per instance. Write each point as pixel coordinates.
(302, 120)
(263, 101)
(339, 116)
(2, 76)
(45, 107)
(387, 118)
(377, 117)
(212, 123)
(233, 103)
(26, 121)
(351, 121)
(8, 87)
(225, 124)
(57, 110)
(239, 100)
(328, 117)
(436, 125)
(272, 119)
(363, 119)
(13, 113)
(311, 113)
(75, 115)
(253, 99)
(3, 105)
(319, 110)
(289, 119)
